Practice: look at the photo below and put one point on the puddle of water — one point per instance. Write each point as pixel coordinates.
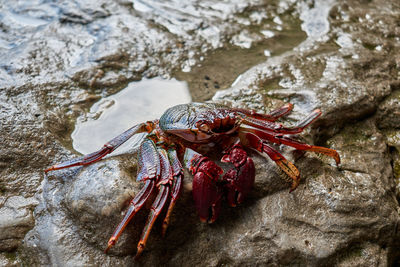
(138, 102)
(221, 67)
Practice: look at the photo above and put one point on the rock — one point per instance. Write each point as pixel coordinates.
(338, 56)
(16, 219)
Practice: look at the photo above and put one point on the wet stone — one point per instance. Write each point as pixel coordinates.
(341, 57)
(101, 191)
(389, 112)
(16, 219)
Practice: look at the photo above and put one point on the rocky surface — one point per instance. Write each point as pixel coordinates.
(339, 56)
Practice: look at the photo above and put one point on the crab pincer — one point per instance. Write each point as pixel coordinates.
(240, 179)
(207, 189)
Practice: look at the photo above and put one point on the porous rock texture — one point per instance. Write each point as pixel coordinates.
(70, 55)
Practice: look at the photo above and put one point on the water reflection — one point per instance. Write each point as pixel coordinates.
(138, 102)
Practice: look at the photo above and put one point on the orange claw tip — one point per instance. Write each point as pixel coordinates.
(110, 244)
(49, 169)
(337, 159)
(203, 220)
(292, 189)
(317, 111)
(294, 186)
(164, 229)
(140, 249)
(289, 105)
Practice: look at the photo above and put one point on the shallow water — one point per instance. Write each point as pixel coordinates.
(138, 102)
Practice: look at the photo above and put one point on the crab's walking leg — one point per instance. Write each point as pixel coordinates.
(170, 184)
(272, 116)
(251, 140)
(134, 206)
(165, 180)
(279, 128)
(318, 149)
(176, 186)
(156, 208)
(281, 139)
(150, 169)
(282, 111)
(207, 192)
(109, 147)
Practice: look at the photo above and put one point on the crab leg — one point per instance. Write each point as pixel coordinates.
(252, 140)
(318, 149)
(272, 116)
(176, 186)
(160, 201)
(156, 208)
(279, 112)
(279, 128)
(108, 147)
(150, 170)
(134, 206)
(280, 139)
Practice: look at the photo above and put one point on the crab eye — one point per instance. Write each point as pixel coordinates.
(204, 128)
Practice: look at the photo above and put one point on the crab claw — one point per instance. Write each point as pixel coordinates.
(207, 193)
(240, 179)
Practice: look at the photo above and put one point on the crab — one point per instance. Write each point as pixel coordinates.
(183, 134)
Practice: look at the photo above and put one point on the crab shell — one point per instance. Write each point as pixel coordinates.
(199, 122)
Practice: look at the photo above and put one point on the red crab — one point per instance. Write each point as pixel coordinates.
(181, 133)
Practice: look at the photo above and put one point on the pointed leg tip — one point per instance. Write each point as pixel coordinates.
(316, 114)
(140, 249)
(203, 220)
(49, 169)
(295, 184)
(164, 229)
(208, 219)
(110, 244)
(339, 166)
(212, 220)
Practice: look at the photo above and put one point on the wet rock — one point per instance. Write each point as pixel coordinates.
(9, 259)
(90, 196)
(84, 213)
(71, 12)
(16, 219)
(345, 62)
(388, 115)
(393, 141)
